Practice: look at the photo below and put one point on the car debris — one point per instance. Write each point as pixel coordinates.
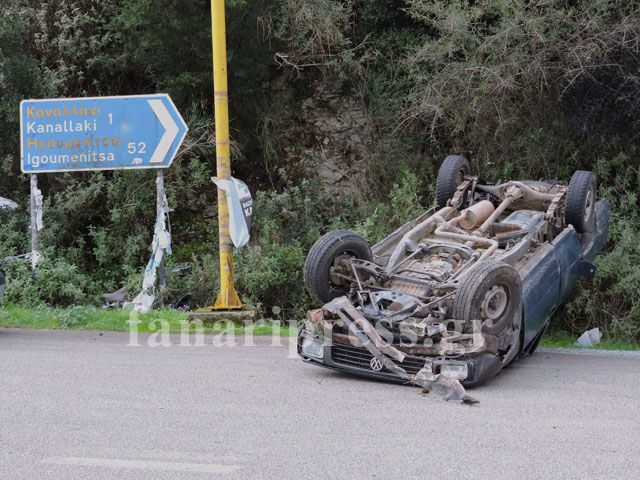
(8, 204)
(589, 339)
(452, 297)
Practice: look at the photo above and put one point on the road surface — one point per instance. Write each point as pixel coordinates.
(78, 405)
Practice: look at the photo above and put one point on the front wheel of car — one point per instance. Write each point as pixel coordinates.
(491, 293)
(327, 271)
(580, 206)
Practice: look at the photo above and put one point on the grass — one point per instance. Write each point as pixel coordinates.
(94, 319)
(560, 339)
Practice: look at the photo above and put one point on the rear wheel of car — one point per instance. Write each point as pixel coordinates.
(451, 174)
(491, 293)
(327, 270)
(581, 201)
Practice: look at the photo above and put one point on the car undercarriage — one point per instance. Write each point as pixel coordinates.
(439, 303)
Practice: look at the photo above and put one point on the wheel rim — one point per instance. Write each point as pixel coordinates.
(494, 303)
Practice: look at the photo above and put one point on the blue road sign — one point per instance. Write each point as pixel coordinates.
(100, 133)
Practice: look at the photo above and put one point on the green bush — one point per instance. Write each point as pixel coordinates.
(270, 274)
(403, 204)
(285, 225)
(13, 232)
(201, 281)
(54, 282)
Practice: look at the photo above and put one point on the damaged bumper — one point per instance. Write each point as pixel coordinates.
(349, 342)
(353, 358)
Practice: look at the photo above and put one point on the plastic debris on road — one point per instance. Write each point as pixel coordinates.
(590, 338)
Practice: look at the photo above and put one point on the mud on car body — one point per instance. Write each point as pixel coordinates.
(452, 297)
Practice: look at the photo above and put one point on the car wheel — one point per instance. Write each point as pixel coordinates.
(491, 293)
(581, 201)
(326, 269)
(451, 174)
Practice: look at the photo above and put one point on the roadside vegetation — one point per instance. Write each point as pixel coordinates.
(341, 114)
(98, 320)
(561, 339)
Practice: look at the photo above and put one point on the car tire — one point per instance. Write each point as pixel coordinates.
(490, 292)
(322, 257)
(580, 205)
(450, 175)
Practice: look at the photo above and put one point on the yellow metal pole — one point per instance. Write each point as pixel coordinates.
(228, 297)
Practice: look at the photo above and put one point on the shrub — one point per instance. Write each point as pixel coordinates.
(285, 225)
(54, 282)
(270, 274)
(403, 204)
(201, 281)
(316, 33)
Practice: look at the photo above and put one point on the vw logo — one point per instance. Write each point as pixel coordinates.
(375, 364)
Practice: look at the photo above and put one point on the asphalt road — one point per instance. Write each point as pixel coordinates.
(83, 405)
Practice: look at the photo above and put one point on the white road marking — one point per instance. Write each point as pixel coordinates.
(143, 465)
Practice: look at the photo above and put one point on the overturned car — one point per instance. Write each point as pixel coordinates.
(452, 297)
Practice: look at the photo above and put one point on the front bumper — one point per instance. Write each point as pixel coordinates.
(354, 359)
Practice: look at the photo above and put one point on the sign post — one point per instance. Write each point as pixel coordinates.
(161, 208)
(228, 298)
(35, 212)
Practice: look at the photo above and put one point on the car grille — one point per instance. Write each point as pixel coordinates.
(360, 357)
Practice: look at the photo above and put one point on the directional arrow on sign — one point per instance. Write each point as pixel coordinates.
(170, 134)
(100, 133)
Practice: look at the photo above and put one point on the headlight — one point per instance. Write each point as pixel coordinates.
(456, 371)
(312, 347)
